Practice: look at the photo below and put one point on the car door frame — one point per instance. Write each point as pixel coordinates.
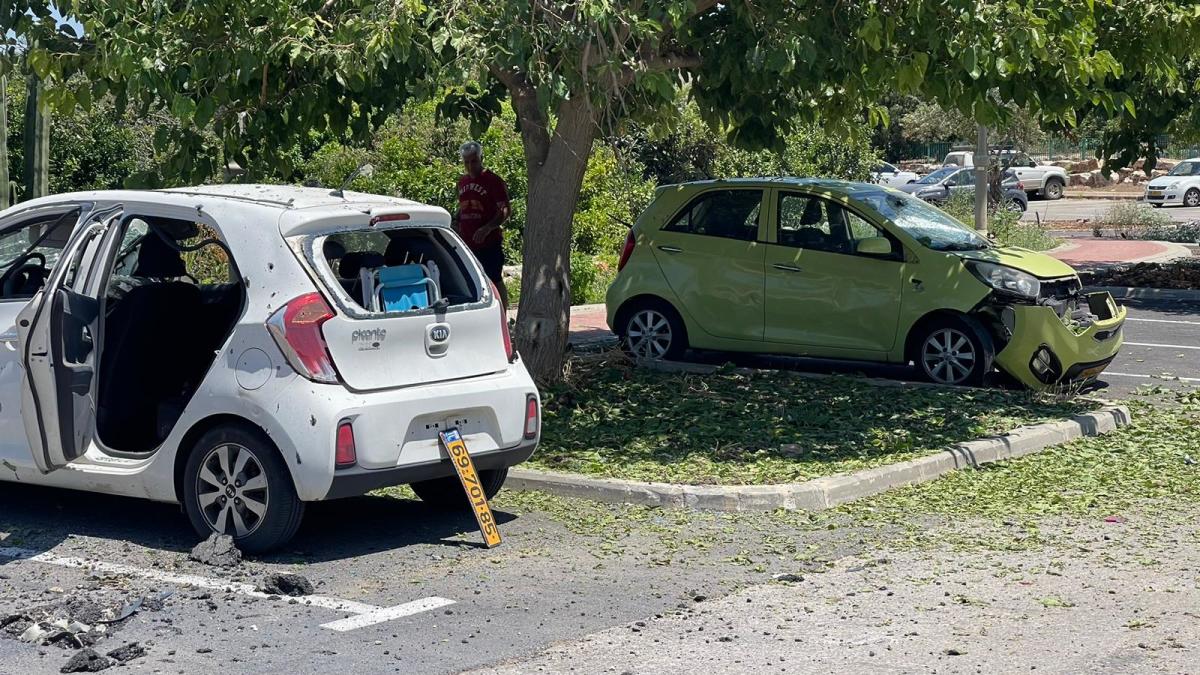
(49, 384)
(664, 251)
(899, 258)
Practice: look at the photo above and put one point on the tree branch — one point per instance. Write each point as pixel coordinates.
(535, 130)
(660, 63)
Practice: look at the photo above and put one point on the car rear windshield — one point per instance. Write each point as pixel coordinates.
(418, 266)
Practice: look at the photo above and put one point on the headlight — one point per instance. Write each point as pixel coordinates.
(1006, 279)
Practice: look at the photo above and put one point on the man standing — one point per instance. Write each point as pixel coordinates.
(482, 209)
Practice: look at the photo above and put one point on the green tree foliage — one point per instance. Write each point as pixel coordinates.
(690, 150)
(96, 150)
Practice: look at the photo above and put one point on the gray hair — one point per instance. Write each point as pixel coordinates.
(471, 148)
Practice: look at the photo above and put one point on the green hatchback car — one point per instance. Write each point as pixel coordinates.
(840, 270)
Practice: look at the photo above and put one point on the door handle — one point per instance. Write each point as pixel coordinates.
(787, 268)
(9, 335)
(670, 249)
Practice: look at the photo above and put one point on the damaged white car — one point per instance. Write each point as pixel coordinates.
(242, 350)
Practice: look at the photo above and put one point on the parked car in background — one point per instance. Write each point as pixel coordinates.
(843, 270)
(1181, 186)
(1044, 180)
(939, 186)
(245, 349)
(888, 174)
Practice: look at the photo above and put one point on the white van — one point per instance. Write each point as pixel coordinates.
(238, 349)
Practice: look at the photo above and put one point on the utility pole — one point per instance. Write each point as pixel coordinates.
(982, 165)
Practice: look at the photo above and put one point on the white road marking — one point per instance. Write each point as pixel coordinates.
(1168, 378)
(372, 614)
(1190, 323)
(387, 614)
(1152, 344)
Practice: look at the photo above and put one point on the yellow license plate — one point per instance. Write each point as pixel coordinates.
(1156, 193)
(461, 459)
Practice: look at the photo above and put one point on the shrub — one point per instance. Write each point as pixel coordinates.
(1133, 220)
(1005, 226)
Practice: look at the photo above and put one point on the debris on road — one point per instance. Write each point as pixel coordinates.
(86, 661)
(291, 585)
(788, 578)
(218, 550)
(127, 653)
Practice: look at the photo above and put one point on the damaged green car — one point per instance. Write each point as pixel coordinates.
(840, 270)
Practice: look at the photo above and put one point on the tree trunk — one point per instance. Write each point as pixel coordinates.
(5, 188)
(37, 141)
(543, 318)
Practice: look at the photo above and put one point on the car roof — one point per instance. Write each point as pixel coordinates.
(843, 187)
(299, 206)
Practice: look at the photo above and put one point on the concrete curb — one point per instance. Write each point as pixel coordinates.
(1128, 293)
(831, 491)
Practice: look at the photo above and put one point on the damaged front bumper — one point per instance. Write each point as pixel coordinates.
(1042, 351)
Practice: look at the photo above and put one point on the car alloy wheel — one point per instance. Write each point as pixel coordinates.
(232, 490)
(948, 356)
(1054, 190)
(1192, 198)
(648, 334)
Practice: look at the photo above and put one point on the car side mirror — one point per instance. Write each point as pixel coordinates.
(950, 183)
(875, 246)
(1032, 164)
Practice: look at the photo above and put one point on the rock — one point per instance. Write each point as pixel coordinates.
(1097, 179)
(86, 661)
(788, 578)
(291, 585)
(128, 652)
(1085, 166)
(218, 550)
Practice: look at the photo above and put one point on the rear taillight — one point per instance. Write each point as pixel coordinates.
(508, 348)
(296, 328)
(345, 453)
(630, 240)
(531, 417)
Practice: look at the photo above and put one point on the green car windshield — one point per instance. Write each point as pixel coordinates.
(929, 225)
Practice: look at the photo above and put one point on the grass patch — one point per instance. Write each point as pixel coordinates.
(611, 419)
(1154, 460)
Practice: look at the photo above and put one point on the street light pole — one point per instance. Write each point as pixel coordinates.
(982, 165)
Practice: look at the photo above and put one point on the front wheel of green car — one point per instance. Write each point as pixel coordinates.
(653, 331)
(949, 351)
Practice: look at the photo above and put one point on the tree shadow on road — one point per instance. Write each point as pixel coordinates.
(41, 518)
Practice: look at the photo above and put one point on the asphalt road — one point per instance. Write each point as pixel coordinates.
(1093, 209)
(565, 569)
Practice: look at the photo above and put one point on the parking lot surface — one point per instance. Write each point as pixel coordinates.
(1094, 209)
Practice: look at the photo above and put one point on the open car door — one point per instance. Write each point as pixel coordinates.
(56, 334)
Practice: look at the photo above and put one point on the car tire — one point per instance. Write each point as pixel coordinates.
(950, 350)
(265, 511)
(652, 330)
(1014, 205)
(448, 492)
(1053, 190)
(1191, 198)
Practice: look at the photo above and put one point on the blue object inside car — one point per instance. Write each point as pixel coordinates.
(404, 287)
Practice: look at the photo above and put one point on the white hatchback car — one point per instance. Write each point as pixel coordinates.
(1180, 186)
(245, 349)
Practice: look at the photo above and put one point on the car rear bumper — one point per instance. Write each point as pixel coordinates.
(1043, 352)
(357, 481)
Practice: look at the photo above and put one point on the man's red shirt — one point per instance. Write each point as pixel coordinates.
(479, 200)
